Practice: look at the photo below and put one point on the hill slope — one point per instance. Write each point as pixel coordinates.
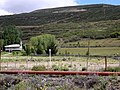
(68, 23)
(65, 14)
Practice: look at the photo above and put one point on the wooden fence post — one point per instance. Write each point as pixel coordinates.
(105, 63)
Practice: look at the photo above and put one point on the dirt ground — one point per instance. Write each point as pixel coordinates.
(75, 66)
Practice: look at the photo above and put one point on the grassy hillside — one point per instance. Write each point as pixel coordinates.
(69, 23)
(77, 14)
(74, 31)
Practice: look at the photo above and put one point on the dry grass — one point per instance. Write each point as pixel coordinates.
(93, 51)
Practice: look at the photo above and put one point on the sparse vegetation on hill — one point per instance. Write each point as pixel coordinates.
(65, 14)
(69, 23)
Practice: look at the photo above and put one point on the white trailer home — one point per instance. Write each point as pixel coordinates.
(14, 47)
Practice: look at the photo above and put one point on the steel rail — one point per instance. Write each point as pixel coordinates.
(59, 72)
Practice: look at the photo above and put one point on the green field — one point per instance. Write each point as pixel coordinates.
(95, 42)
(93, 51)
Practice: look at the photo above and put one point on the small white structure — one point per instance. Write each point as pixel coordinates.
(14, 47)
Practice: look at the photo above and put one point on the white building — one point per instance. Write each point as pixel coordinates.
(14, 47)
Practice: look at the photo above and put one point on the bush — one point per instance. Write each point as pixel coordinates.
(39, 68)
(59, 68)
(23, 53)
(113, 69)
(84, 69)
(16, 52)
(27, 49)
(55, 67)
(115, 34)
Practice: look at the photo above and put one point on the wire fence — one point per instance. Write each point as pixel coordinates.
(72, 62)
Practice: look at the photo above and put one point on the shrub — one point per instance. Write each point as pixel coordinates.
(39, 49)
(69, 65)
(113, 69)
(39, 68)
(23, 53)
(84, 69)
(60, 68)
(115, 34)
(55, 67)
(16, 52)
(27, 49)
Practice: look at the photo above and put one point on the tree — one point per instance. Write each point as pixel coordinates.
(53, 48)
(39, 49)
(27, 49)
(43, 43)
(11, 35)
(34, 43)
(1, 43)
(49, 42)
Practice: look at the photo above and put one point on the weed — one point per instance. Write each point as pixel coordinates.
(39, 68)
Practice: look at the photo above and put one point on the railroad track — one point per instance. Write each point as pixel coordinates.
(59, 72)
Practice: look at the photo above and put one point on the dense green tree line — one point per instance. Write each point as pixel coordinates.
(11, 35)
